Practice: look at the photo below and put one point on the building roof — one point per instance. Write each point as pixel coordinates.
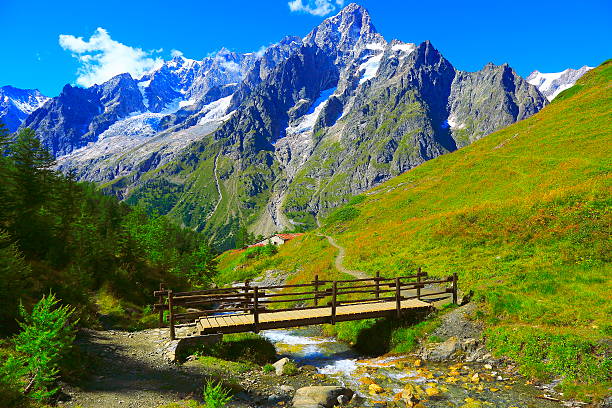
(287, 237)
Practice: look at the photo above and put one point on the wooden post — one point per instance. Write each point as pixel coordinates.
(377, 280)
(398, 299)
(255, 309)
(419, 284)
(161, 311)
(315, 283)
(246, 295)
(171, 317)
(455, 287)
(333, 306)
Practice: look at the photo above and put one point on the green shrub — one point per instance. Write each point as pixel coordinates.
(45, 339)
(215, 396)
(269, 368)
(290, 368)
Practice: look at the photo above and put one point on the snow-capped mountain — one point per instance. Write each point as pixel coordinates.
(16, 104)
(180, 90)
(552, 84)
(292, 131)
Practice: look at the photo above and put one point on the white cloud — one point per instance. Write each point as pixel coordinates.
(176, 53)
(315, 7)
(261, 51)
(230, 66)
(101, 57)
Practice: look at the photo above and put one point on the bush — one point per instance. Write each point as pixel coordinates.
(290, 368)
(45, 339)
(269, 368)
(215, 396)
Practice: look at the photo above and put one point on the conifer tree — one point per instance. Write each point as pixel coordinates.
(32, 183)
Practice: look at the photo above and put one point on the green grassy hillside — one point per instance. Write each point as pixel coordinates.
(523, 216)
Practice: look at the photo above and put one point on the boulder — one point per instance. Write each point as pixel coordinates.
(321, 397)
(442, 351)
(280, 365)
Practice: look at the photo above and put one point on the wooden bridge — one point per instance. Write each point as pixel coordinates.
(253, 308)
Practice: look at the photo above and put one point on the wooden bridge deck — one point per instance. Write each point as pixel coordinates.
(252, 308)
(237, 323)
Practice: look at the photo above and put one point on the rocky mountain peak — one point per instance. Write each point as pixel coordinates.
(427, 54)
(224, 52)
(16, 104)
(345, 31)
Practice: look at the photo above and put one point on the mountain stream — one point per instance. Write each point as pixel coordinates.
(403, 380)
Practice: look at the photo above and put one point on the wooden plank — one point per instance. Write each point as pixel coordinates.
(204, 323)
(235, 320)
(226, 321)
(278, 316)
(244, 319)
(215, 321)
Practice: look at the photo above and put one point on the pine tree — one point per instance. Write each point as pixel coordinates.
(32, 163)
(32, 182)
(5, 139)
(5, 185)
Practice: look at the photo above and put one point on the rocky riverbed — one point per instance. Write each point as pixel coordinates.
(131, 370)
(408, 380)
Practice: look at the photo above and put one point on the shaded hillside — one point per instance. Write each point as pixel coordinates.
(95, 253)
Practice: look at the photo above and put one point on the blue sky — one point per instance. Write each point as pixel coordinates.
(545, 35)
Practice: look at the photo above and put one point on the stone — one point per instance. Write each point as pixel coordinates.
(442, 351)
(174, 350)
(280, 365)
(287, 389)
(308, 369)
(375, 389)
(321, 396)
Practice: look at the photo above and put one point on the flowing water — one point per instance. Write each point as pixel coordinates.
(403, 380)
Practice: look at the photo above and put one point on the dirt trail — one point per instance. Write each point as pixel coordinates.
(430, 289)
(130, 371)
(339, 261)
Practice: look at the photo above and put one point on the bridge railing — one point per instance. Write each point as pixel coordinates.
(257, 300)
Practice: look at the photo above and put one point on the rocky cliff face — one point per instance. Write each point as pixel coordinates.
(274, 139)
(484, 101)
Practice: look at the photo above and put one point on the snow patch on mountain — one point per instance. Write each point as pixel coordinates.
(405, 49)
(552, 84)
(370, 67)
(307, 122)
(216, 110)
(453, 124)
(141, 125)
